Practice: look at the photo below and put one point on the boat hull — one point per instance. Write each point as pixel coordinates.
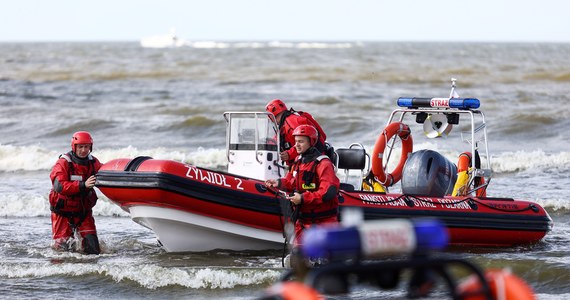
(196, 209)
(180, 231)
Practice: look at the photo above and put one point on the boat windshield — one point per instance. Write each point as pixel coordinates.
(248, 129)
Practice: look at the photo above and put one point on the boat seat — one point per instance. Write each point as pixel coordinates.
(347, 187)
(352, 158)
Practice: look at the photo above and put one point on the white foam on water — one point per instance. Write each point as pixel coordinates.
(26, 204)
(35, 157)
(27, 158)
(150, 276)
(535, 160)
(32, 158)
(272, 44)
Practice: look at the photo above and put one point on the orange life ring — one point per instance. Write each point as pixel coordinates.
(503, 285)
(403, 131)
(463, 164)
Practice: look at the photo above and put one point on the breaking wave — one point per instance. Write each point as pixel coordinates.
(149, 276)
(509, 162)
(273, 44)
(38, 158)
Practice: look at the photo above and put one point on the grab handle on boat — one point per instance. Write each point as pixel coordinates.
(533, 208)
(134, 164)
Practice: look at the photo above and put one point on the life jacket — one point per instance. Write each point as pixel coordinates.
(306, 179)
(79, 204)
(308, 174)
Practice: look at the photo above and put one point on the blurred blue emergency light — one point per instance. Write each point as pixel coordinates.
(374, 238)
(460, 103)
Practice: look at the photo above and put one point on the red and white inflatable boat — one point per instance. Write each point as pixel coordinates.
(191, 208)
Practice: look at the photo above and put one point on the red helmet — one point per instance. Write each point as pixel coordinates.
(81, 137)
(275, 107)
(309, 131)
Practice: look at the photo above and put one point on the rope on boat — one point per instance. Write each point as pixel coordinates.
(469, 200)
(287, 220)
(531, 206)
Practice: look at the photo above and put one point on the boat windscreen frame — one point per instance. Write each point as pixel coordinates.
(257, 115)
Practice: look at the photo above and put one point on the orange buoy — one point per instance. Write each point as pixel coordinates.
(463, 165)
(393, 129)
(502, 284)
(464, 162)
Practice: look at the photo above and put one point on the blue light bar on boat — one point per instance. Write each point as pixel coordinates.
(460, 103)
(373, 238)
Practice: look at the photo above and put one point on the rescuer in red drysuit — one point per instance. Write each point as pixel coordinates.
(72, 196)
(288, 120)
(311, 183)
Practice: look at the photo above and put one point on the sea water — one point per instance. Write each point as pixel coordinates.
(168, 104)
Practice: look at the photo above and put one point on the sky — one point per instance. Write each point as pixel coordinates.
(287, 20)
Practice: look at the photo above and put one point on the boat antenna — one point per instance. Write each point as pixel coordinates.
(453, 93)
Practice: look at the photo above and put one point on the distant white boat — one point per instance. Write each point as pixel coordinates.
(170, 40)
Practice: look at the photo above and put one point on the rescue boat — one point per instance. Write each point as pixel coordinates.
(191, 208)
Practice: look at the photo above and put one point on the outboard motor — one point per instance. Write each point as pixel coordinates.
(428, 173)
